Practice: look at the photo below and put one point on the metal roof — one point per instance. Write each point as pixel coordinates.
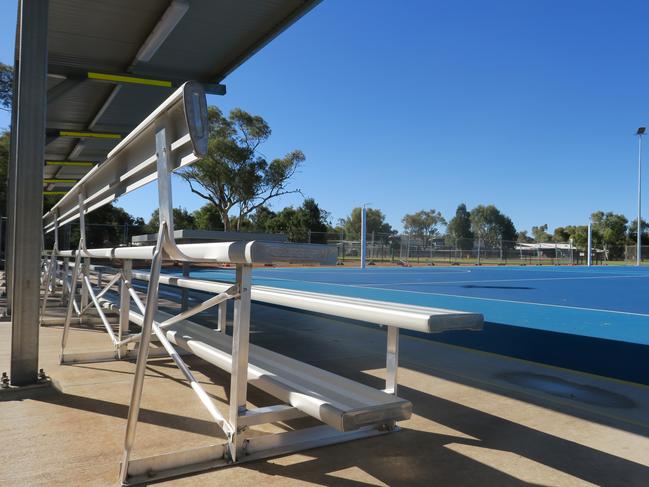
(202, 40)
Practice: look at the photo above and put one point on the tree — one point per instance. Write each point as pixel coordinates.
(423, 223)
(458, 230)
(375, 223)
(234, 175)
(490, 225)
(183, 220)
(207, 217)
(4, 167)
(523, 237)
(561, 234)
(315, 220)
(578, 234)
(6, 86)
(610, 231)
(108, 226)
(633, 229)
(303, 224)
(540, 234)
(261, 218)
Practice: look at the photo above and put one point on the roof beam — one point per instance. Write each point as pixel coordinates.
(60, 181)
(71, 163)
(61, 89)
(82, 134)
(121, 78)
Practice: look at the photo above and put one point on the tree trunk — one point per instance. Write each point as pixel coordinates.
(226, 221)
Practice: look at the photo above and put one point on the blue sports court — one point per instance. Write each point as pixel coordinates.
(591, 319)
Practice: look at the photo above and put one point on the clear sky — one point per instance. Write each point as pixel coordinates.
(529, 105)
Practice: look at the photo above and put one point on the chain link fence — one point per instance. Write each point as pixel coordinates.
(406, 249)
(401, 249)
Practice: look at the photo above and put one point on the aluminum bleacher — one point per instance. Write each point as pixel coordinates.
(173, 136)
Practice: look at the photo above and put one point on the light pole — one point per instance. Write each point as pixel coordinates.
(638, 248)
(589, 245)
(364, 234)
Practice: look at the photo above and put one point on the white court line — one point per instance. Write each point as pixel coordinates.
(465, 297)
(504, 280)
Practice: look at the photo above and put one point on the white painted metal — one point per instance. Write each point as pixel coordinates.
(589, 250)
(363, 236)
(639, 228)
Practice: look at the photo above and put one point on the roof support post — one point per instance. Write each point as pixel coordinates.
(26, 186)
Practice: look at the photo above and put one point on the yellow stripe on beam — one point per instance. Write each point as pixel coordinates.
(70, 163)
(88, 135)
(54, 193)
(117, 78)
(56, 180)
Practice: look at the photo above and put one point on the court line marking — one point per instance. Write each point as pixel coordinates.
(462, 297)
(503, 280)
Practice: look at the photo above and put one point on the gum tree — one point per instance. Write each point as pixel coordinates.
(235, 176)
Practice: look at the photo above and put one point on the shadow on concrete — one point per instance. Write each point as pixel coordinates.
(158, 418)
(411, 457)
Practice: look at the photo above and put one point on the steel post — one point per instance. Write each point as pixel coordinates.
(26, 187)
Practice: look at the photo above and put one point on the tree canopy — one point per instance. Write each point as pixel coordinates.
(183, 220)
(492, 226)
(4, 167)
(207, 217)
(424, 223)
(375, 224)
(6, 86)
(235, 175)
(303, 224)
(458, 230)
(540, 233)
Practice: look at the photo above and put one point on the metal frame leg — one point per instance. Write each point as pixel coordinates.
(184, 293)
(84, 292)
(392, 360)
(240, 347)
(222, 318)
(66, 271)
(124, 304)
(50, 278)
(151, 308)
(73, 290)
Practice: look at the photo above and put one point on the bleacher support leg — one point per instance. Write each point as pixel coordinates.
(392, 360)
(151, 308)
(124, 304)
(84, 291)
(240, 348)
(222, 318)
(71, 298)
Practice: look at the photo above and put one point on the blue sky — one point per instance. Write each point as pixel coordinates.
(529, 105)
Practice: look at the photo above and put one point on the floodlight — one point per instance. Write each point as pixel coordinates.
(641, 130)
(161, 31)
